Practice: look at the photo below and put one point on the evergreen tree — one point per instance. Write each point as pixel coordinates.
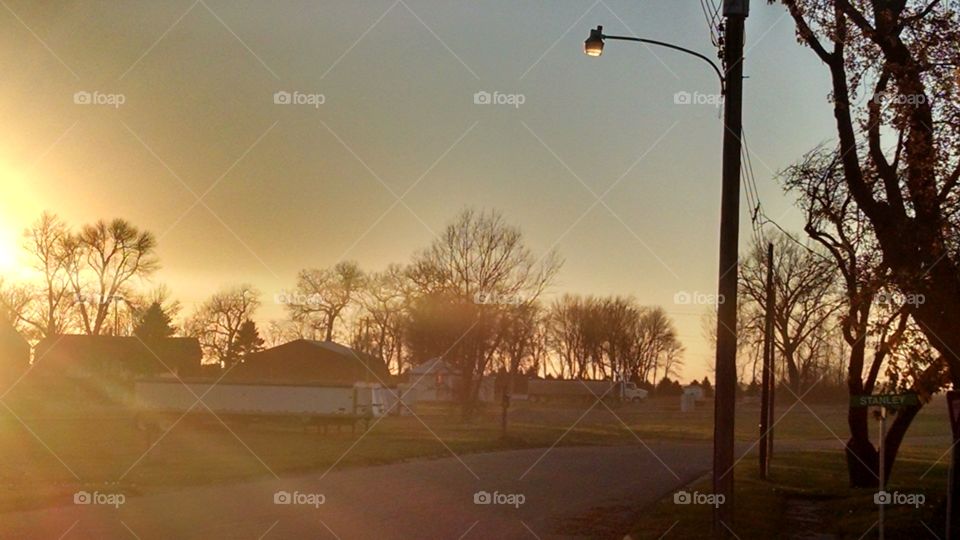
(154, 324)
(248, 340)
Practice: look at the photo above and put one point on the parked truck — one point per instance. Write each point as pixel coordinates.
(557, 390)
(161, 399)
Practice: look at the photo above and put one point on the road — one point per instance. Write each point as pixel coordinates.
(540, 490)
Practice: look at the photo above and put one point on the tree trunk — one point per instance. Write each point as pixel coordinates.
(898, 428)
(862, 456)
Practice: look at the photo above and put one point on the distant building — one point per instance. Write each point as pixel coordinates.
(309, 361)
(84, 357)
(438, 380)
(14, 354)
(695, 391)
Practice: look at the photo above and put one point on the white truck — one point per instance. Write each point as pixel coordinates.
(160, 399)
(562, 389)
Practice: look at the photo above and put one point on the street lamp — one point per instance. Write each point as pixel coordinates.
(593, 46)
(731, 85)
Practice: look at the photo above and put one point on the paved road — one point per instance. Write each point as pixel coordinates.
(420, 499)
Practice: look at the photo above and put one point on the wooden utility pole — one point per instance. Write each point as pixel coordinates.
(735, 13)
(766, 401)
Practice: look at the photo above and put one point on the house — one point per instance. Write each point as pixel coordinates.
(439, 380)
(14, 354)
(310, 361)
(84, 357)
(695, 391)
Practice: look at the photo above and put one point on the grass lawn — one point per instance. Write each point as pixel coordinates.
(51, 451)
(807, 494)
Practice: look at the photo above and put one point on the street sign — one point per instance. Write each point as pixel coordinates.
(889, 401)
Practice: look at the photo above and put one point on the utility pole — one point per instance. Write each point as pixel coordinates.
(766, 401)
(735, 13)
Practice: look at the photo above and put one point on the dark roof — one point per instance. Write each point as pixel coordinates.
(309, 361)
(69, 353)
(14, 349)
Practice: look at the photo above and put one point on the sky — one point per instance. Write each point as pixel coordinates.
(168, 114)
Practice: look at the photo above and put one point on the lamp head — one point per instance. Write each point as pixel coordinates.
(593, 46)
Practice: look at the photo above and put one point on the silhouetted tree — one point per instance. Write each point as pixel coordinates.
(897, 149)
(217, 322)
(248, 340)
(154, 324)
(482, 263)
(103, 259)
(322, 295)
(805, 285)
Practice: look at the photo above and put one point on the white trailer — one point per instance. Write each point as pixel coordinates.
(559, 389)
(321, 406)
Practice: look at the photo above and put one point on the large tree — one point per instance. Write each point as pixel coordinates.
(105, 258)
(873, 322)
(804, 282)
(322, 295)
(218, 321)
(476, 270)
(898, 148)
(48, 241)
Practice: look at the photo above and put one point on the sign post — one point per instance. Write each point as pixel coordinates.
(884, 402)
(882, 416)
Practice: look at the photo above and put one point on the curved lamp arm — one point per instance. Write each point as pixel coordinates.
(597, 34)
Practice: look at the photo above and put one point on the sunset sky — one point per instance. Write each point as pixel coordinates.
(288, 186)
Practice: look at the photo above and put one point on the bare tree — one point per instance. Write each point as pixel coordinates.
(104, 259)
(322, 295)
(482, 263)
(806, 301)
(872, 328)
(385, 300)
(217, 322)
(898, 150)
(49, 244)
